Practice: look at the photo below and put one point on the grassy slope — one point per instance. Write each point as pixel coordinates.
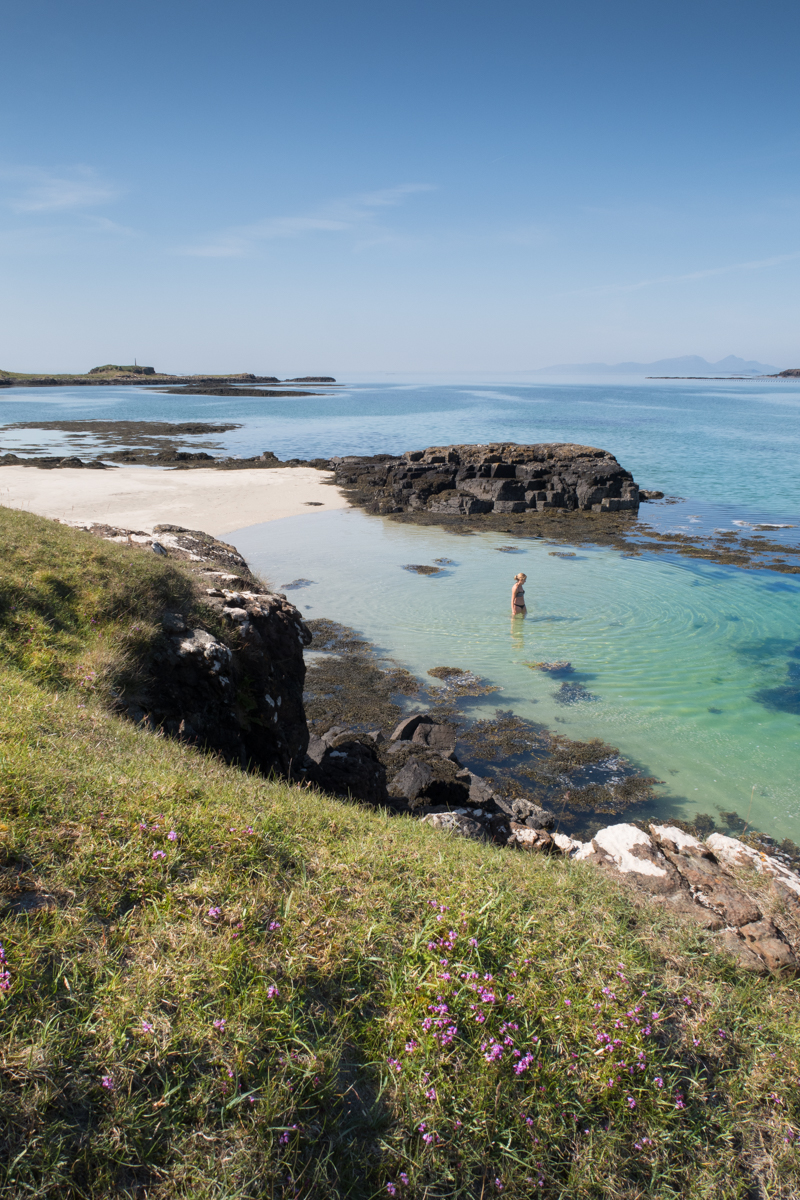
(297, 997)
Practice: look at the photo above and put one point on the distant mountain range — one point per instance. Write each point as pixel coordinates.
(690, 364)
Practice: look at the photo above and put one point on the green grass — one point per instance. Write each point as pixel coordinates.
(282, 999)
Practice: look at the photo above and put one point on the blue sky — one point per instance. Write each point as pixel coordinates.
(432, 186)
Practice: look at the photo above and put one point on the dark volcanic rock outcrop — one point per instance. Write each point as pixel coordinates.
(226, 674)
(240, 694)
(501, 477)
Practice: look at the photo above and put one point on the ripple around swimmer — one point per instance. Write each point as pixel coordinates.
(686, 659)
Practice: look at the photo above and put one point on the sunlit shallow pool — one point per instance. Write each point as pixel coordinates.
(693, 669)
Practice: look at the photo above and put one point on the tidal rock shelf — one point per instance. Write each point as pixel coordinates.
(501, 477)
(579, 495)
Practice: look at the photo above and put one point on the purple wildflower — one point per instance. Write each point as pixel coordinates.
(107, 1082)
(272, 991)
(215, 913)
(172, 836)
(220, 1024)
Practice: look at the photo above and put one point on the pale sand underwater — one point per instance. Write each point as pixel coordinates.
(141, 497)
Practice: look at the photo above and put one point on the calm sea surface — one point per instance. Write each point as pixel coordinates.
(693, 669)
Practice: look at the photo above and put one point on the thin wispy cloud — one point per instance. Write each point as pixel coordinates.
(707, 273)
(348, 214)
(34, 190)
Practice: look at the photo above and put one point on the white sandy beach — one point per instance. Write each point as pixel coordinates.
(141, 497)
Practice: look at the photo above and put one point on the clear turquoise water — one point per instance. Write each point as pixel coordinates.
(676, 653)
(695, 667)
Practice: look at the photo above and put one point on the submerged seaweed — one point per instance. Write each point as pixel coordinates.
(296, 583)
(573, 693)
(457, 682)
(552, 668)
(348, 683)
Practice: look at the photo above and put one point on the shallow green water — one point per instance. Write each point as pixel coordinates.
(695, 676)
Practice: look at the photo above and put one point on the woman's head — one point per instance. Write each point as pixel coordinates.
(520, 577)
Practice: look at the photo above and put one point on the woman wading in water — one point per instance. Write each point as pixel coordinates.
(518, 608)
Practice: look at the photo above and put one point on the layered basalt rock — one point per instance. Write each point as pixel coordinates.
(501, 477)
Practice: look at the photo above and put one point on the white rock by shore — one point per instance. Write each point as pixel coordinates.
(142, 497)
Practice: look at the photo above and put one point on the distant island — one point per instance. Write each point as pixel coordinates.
(689, 366)
(112, 373)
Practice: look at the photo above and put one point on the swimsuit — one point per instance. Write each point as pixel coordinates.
(519, 600)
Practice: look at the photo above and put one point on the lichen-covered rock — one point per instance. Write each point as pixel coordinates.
(456, 823)
(525, 811)
(700, 870)
(526, 838)
(734, 853)
(766, 941)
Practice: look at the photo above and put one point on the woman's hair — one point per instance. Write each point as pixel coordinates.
(521, 575)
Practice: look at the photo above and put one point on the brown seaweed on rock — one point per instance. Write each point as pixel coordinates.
(568, 776)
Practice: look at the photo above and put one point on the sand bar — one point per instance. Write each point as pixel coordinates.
(141, 497)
